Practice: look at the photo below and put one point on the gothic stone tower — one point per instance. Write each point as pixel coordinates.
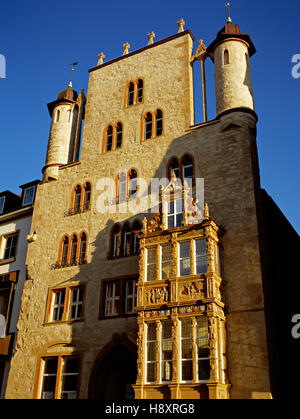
(78, 332)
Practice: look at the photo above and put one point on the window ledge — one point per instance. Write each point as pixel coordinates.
(4, 261)
(118, 316)
(56, 323)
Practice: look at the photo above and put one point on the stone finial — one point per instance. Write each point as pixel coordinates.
(181, 24)
(206, 211)
(151, 37)
(100, 58)
(126, 48)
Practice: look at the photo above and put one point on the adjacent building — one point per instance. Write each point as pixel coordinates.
(15, 223)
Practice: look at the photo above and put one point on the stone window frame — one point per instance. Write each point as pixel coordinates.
(122, 297)
(134, 92)
(81, 250)
(65, 305)
(80, 199)
(114, 144)
(180, 165)
(153, 125)
(128, 193)
(59, 375)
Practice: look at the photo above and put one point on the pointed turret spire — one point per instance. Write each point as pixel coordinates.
(72, 69)
(228, 13)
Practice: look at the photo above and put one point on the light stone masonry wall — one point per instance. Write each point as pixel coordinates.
(223, 151)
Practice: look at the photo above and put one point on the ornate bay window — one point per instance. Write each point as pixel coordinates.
(181, 321)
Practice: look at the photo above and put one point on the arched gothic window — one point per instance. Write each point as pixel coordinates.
(109, 138)
(83, 248)
(74, 246)
(87, 196)
(132, 183)
(158, 123)
(64, 251)
(119, 135)
(139, 92)
(130, 94)
(226, 57)
(148, 126)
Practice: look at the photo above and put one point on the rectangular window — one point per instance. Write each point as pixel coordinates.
(174, 213)
(28, 197)
(130, 302)
(2, 201)
(203, 366)
(200, 256)
(186, 350)
(151, 353)
(166, 350)
(11, 246)
(76, 301)
(70, 372)
(4, 300)
(58, 304)
(112, 299)
(166, 261)
(60, 378)
(151, 264)
(184, 259)
(49, 378)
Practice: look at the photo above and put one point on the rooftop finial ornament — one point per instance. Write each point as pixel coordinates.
(181, 24)
(151, 37)
(72, 69)
(126, 48)
(101, 57)
(228, 14)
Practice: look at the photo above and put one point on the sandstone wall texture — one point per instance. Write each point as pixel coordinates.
(224, 152)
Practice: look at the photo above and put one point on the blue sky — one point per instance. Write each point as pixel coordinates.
(40, 39)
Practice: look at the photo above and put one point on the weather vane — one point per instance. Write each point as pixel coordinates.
(228, 14)
(72, 69)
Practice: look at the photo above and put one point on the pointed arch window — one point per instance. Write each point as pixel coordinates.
(136, 228)
(83, 248)
(130, 94)
(187, 167)
(126, 239)
(148, 126)
(74, 246)
(116, 241)
(109, 138)
(139, 91)
(87, 196)
(121, 187)
(119, 135)
(173, 167)
(65, 251)
(68, 116)
(77, 199)
(57, 115)
(132, 183)
(158, 123)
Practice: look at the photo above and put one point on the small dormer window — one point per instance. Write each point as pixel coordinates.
(2, 201)
(28, 197)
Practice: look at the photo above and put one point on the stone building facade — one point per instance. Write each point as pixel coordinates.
(92, 323)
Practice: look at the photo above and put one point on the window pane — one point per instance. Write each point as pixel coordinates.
(186, 349)
(151, 372)
(151, 272)
(51, 365)
(171, 223)
(151, 331)
(186, 328)
(166, 371)
(187, 370)
(203, 369)
(151, 351)
(166, 350)
(179, 219)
